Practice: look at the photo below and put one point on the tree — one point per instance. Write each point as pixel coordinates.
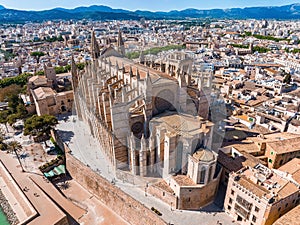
(12, 118)
(37, 55)
(68, 67)
(16, 111)
(19, 80)
(4, 118)
(53, 39)
(39, 125)
(287, 79)
(16, 146)
(8, 91)
(260, 49)
(80, 66)
(13, 102)
(21, 110)
(16, 108)
(154, 51)
(3, 145)
(40, 73)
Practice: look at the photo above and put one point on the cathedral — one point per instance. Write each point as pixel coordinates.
(149, 116)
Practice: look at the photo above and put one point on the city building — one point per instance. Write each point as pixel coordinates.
(259, 195)
(290, 218)
(48, 101)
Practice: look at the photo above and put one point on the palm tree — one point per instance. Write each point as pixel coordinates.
(15, 146)
(4, 119)
(3, 145)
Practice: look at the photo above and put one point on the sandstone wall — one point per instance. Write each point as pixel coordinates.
(127, 207)
(163, 195)
(194, 197)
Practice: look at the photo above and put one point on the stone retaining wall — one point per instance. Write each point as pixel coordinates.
(10, 214)
(27, 208)
(113, 197)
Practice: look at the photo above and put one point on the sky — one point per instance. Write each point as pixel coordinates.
(152, 5)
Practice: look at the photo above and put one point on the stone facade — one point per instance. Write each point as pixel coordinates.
(282, 151)
(48, 101)
(163, 192)
(119, 99)
(50, 74)
(194, 190)
(259, 196)
(194, 198)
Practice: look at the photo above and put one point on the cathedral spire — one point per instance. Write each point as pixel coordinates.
(142, 58)
(120, 44)
(138, 76)
(148, 78)
(74, 73)
(109, 65)
(117, 66)
(181, 80)
(73, 66)
(95, 50)
(148, 86)
(130, 72)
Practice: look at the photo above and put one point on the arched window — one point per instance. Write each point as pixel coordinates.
(209, 173)
(202, 175)
(179, 153)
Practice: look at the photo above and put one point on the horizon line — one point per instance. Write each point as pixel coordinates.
(140, 9)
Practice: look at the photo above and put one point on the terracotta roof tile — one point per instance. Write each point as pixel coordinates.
(183, 180)
(290, 218)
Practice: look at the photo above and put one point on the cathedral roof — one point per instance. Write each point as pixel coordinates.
(182, 124)
(204, 155)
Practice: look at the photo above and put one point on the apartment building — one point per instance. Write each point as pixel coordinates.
(259, 196)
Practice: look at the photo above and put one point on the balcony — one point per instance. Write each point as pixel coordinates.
(245, 204)
(241, 211)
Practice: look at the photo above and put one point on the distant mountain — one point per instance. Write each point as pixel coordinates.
(94, 8)
(271, 12)
(101, 12)
(20, 16)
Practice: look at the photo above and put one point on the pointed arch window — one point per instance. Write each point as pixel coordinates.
(210, 173)
(202, 175)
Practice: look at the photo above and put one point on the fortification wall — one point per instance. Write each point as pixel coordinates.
(113, 197)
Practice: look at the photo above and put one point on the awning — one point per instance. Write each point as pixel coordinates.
(58, 170)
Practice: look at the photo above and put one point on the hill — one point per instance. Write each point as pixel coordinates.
(102, 12)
